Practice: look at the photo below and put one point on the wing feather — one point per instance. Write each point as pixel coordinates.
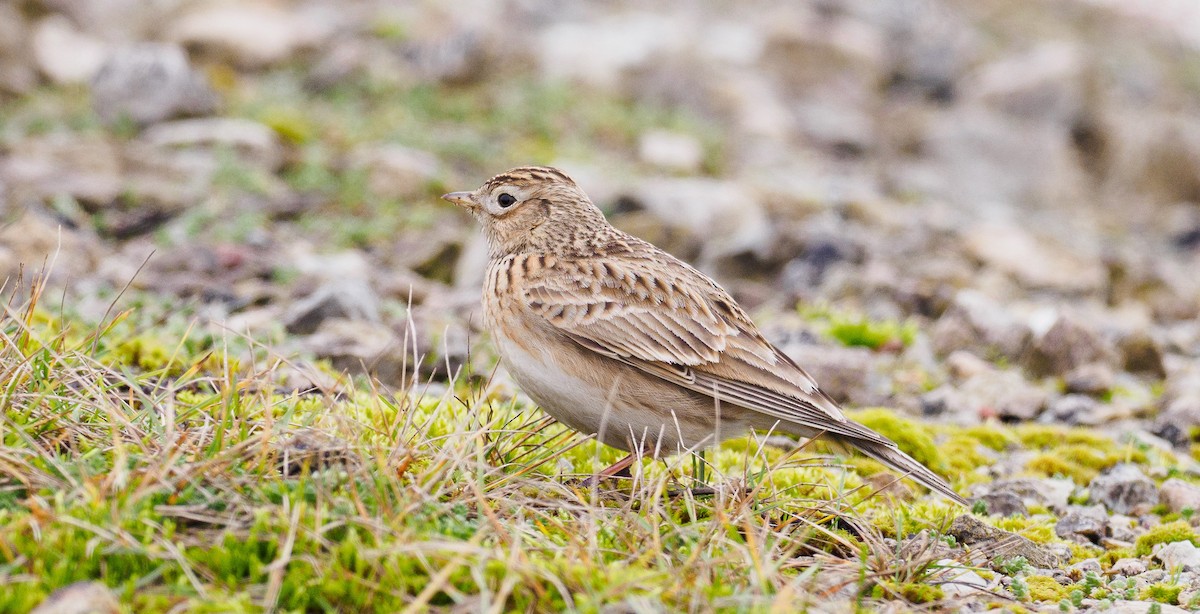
(686, 330)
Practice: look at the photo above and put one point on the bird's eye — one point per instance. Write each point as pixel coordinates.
(506, 200)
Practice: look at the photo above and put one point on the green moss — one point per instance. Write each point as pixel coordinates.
(1051, 437)
(874, 335)
(1163, 593)
(990, 436)
(963, 455)
(1112, 556)
(916, 440)
(1164, 534)
(1051, 464)
(1045, 588)
(1039, 529)
(912, 592)
(1081, 552)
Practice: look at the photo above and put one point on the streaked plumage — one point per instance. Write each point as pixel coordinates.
(613, 336)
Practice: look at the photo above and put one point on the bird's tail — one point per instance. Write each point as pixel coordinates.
(909, 467)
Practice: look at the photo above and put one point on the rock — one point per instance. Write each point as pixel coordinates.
(87, 170)
(252, 34)
(1179, 495)
(395, 171)
(33, 241)
(1004, 504)
(1080, 570)
(848, 374)
(1179, 556)
(979, 325)
(350, 299)
(722, 218)
(957, 580)
(1077, 409)
(1049, 492)
(362, 347)
(928, 48)
(1044, 83)
(1034, 262)
(971, 531)
(64, 54)
(1093, 379)
(1127, 567)
(1142, 607)
(17, 74)
(1124, 489)
(255, 144)
(1083, 524)
(601, 51)
(964, 365)
(80, 598)
(150, 82)
(1141, 354)
(671, 151)
(1067, 345)
(1003, 394)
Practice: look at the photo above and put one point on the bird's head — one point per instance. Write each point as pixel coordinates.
(529, 205)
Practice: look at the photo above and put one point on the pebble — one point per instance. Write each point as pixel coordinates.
(1179, 495)
(150, 82)
(1124, 489)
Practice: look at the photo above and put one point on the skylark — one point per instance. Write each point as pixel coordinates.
(617, 338)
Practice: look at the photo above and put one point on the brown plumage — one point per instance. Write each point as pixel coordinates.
(615, 337)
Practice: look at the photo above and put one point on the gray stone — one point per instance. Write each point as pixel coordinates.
(976, 323)
(1004, 394)
(671, 151)
(1176, 556)
(80, 598)
(1128, 567)
(150, 82)
(1080, 570)
(1049, 492)
(1179, 495)
(1034, 262)
(362, 347)
(1124, 489)
(1083, 524)
(1093, 379)
(255, 144)
(17, 73)
(1076, 409)
(1142, 607)
(957, 580)
(350, 299)
(1067, 345)
(722, 217)
(1003, 503)
(64, 54)
(1042, 84)
(253, 34)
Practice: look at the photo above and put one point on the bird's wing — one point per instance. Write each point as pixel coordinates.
(682, 327)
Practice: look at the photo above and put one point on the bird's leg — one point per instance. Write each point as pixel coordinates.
(612, 470)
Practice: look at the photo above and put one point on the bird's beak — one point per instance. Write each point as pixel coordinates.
(462, 199)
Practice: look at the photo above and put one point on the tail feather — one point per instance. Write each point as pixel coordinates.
(909, 467)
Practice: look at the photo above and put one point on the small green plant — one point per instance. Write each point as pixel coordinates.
(859, 331)
(1164, 534)
(1014, 566)
(1162, 593)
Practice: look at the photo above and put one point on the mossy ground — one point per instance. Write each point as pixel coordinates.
(164, 462)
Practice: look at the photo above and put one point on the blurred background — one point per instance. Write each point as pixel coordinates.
(964, 209)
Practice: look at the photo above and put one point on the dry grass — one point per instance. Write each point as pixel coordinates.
(185, 478)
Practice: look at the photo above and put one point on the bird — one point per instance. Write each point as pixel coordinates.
(616, 338)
